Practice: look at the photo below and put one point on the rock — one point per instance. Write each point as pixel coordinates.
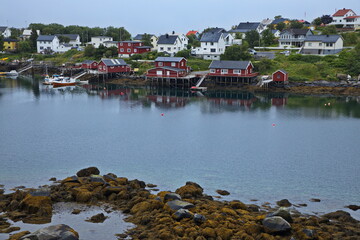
(353, 207)
(76, 211)
(9, 230)
(112, 175)
(340, 216)
(198, 218)
(98, 218)
(97, 179)
(302, 204)
(40, 205)
(149, 185)
(109, 178)
(315, 200)
(58, 232)
(136, 184)
(14, 204)
(172, 196)
(87, 172)
(276, 225)
(182, 213)
(72, 179)
(238, 205)
(53, 179)
(42, 192)
(145, 206)
(109, 190)
(209, 233)
(2, 191)
(223, 192)
(17, 236)
(282, 212)
(310, 233)
(283, 203)
(190, 190)
(253, 208)
(177, 204)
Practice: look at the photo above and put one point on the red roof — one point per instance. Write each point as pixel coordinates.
(352, 17)
(341, 13)
(191, 32)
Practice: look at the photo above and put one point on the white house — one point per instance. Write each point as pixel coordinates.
(153, 40)
(213, 43)
(27, 33)
(245, 27)
(99, 40)
(111, 44)
(276, 33)
(341, 17)
(5, 31)
(323, 44)
(74, 39)
(64, 47)
(293, 37)
(48, 43)
(171, 44)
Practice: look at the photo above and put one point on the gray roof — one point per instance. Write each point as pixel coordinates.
(240, 30)
(229, 64)
(49, 38)
(71, 36)
(248, 25)
(323, 38)
(281, 70)
(140, 36)
(274, 31)
(173, 69)
(167, 39)
(276, 21)
(143, 47)
(296, 31)
(212, 35)
(111, 41)
(2, 28)
(169, 59)
(114, 62)
(10, 40)
(88, 61)
(66, 45)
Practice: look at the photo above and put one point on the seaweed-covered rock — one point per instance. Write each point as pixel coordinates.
(190, 190)
(177, 204)
(340, 216)
(40, 205)
(145, 206)
(222, 192)
(87, 172)
(58, 232)
(98, 218)
(284, 203)
(276, 225)
(172, 196)
(198, 218)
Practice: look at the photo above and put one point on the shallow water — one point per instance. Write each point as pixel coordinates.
(265, 146)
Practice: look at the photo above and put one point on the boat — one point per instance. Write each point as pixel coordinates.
(54, 78)
(65, 82)
(12, 73)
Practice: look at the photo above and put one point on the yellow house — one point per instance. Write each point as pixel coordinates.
(10, 44)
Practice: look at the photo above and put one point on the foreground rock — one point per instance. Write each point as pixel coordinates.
(56, 232)
(98, 218)
(276, 225)
(87, 172)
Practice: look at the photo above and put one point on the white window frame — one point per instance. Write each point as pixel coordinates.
(160, 64)
(224, 71)
(173, 64)
(212, 70)
(236, 71)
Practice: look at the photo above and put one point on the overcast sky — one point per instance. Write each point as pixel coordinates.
(160, 16)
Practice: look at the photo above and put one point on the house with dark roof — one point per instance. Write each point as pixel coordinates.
(193, 32)
(169, 67)
(280, 20)
(293, 37)
(74, 39)
(113, 66)
(245, 27)
(172, 43)
(129, 48)
(5, 31)
(89, 64)
(213, 43)
(153, 39)
(229, 72)
(343, 17)
(47, 43)
(323, 44)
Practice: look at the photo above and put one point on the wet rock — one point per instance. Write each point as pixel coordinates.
(112, 175)
(72, 179)
(353, 207)
(282, 212)
(190, 190)
(238, 205)
(87, 172)
(81, 194)
(315, 200)
(76, 211)
(40, 205)
(340, 216)
(109, 190)
(182, 213)
(9, 230)
(53, 179)
(276, 225)
(222, 192)
(14, 204)
(136, 184)
(172, 196)
(253, 208)
(198, 218)
(302, 204)
(2, 191)
(310, 233)
(17, 236)
(149, 185)
(177, 204)
(97, 179)
(58, 232)
(109, 178)
(98, 218)
(284, 203)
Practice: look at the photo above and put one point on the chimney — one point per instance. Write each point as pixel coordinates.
(173, 32)
(167, 35)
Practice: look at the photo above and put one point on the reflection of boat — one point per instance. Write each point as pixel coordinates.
(201, 89)
(83, 82)
(12, 73)
(65, 82)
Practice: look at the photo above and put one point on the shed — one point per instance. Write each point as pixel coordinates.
(280, 76)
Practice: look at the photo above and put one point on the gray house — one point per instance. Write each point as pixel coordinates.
(293, 37)
(323, 44)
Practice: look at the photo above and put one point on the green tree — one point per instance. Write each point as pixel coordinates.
(268, 37)
(24, 46)
(278, 17)
(253, 38)
(193, 41)
(146, 39)
(114, 51)
(1, 42)
(280, 26)
(237, 52)
(238, 35)
(350, 38)
(326, 19)
(296, 24)
(33, 39)
(100, 51)
(15, 33)
(124, 34)
(183, 53)
(331, 29)
(317, 21)
(89, 51)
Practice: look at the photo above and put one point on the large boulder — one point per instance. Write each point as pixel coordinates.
(341, 216)
(282, 212)
(172, 196)
(276, 225)
(190, 190)
(58, 232)
(177, 204)
(182, 213)
(87, 172)
(284, 203)
(36, 204)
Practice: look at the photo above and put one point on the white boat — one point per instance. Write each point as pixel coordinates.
(65, 82)
(12, 73)
(54, 78)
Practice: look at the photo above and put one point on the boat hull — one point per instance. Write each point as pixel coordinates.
(62, 84)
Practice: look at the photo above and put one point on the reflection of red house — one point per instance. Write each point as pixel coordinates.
(280, 76)
(278, 102)
(89, 64)
(128, 48)
(169, 67)
(113, 66)
(167, 101)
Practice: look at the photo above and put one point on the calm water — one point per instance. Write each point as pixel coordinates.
(264, 146)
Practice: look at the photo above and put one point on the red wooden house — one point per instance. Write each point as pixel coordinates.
(128, 48)
(89, 64)
(280, 76)
(113, 66)
(169, 67)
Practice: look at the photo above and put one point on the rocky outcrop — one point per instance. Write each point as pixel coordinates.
(87, 172)
(58, 232)
(276, 225)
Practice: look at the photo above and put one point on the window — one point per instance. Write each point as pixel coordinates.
(174, 48)
(329, 44)
(320, 44)
(128, 50)
(309, 44)
(173, 64)
(121, 50)
(204, 49)
(212, 71)
(169, 48)
(160, 64)
(224, 71)
(135, 50)
(121, 44)
(212, 50)
(212, 44)
(236, 71)
(129, 44)
(182, 64)
(161, 49)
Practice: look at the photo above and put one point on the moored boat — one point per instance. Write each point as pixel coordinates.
(65, 82)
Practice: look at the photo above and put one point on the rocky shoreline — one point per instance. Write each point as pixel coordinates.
(186, 213)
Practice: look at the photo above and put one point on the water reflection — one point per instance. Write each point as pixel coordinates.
(211, 101)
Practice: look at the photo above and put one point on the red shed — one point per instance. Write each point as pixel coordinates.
(280, 76)
(169, 67)
(89, 64)
(113, 66)
(128, 48)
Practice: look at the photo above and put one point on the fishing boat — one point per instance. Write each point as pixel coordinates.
(54, 78)
(12, 73)
(65, 82)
